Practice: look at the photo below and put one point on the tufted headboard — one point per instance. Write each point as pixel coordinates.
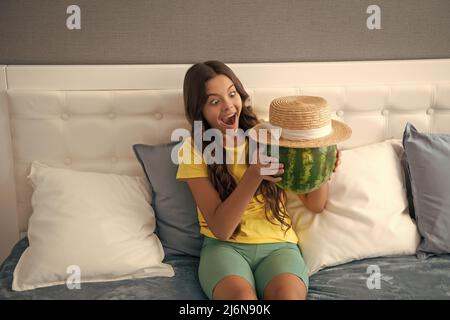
(88, 117)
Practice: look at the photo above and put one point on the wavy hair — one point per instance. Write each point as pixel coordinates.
(194, 95)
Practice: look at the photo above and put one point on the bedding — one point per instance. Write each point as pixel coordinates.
(428, 174)
(182, 286)
(88, 227)
(88, 117)
(366, 213)
(175, 209)
(402, 277)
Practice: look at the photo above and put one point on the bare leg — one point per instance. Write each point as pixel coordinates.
(234, 288)
(285, 286)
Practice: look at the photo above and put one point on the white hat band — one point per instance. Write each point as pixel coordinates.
(300, 134)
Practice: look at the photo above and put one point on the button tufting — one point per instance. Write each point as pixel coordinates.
(68, 161)
(430, 111)
(65, 116)
(340, 113)
(114, 159)
(112, 115)
(158, 115)
(385, 112)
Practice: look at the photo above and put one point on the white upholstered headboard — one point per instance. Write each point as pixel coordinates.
(88, 117)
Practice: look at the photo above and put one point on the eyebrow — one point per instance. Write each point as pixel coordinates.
(215, 94)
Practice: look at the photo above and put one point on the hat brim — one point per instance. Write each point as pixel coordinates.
(340, 132)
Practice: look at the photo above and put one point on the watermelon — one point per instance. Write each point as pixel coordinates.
(305, 169)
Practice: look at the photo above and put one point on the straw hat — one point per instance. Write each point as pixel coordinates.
(304, 122)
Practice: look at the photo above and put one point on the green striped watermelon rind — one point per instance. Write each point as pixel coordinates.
(305, 169)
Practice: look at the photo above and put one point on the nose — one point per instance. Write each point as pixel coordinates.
(228, 104)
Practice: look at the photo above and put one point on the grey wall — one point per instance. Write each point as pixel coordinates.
(187, 31)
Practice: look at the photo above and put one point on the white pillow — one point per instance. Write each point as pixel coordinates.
(101, 225)
(366, 214)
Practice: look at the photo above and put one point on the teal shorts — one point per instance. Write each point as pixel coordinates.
(257, 263)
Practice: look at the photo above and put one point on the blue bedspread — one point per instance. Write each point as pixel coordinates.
(403, 277)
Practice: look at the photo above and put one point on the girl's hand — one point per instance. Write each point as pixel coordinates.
(265, 167)
(338, 160)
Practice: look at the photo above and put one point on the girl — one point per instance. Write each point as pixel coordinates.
(250, 249)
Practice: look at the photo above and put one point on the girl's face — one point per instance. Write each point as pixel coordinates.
(223, 104)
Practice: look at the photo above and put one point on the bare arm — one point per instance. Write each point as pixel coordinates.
(223, 217)
(316, 200)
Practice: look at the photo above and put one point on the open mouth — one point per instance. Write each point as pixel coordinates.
(229, 121)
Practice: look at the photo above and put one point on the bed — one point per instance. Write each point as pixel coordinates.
(117, 106)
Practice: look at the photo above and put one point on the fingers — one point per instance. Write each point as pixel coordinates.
(272, 179)
(273, 176)
(260, 157)
(336, 164)
(271, 169)
(266, 161)
(269, 166)
(280, 169)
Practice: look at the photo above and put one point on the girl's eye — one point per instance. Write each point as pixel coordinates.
(216, 101)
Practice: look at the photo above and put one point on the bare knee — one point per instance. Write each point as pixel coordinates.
(289, 294)
(234, 288)
(285, 286)
(244, 295)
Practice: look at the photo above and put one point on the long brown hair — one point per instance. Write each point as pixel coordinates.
(194, 94)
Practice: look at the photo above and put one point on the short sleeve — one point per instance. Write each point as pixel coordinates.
(190, 162)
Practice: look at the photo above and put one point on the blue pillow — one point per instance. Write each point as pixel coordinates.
(407, 174)
(176, 212)
(428, 171)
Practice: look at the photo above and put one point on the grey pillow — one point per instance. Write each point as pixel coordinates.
(428, 168)
(176, 212)
(407, 175)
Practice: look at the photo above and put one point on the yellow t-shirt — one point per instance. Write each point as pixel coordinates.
(255, 228)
